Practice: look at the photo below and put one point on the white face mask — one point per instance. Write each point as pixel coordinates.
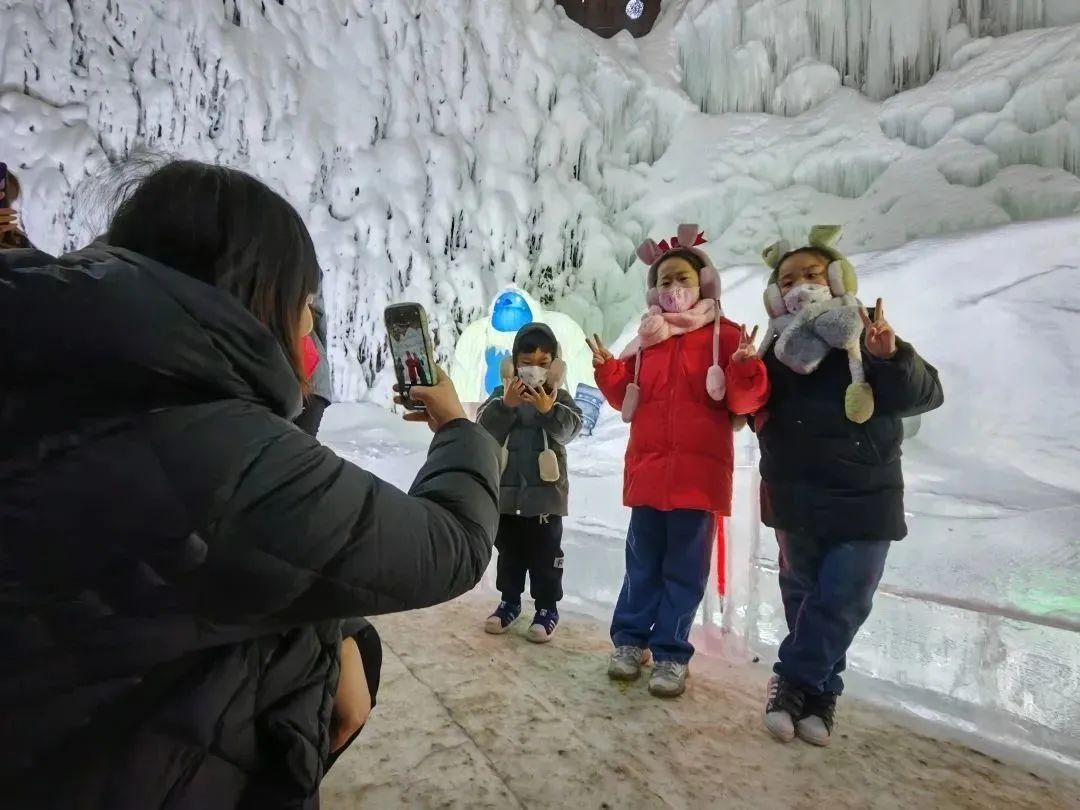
(803, 295)
(532, 376)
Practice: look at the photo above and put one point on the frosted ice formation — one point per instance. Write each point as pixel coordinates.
(442, 151)
(1021, 102)
(736, 52)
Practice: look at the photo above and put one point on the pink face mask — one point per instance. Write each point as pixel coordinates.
(679, 299)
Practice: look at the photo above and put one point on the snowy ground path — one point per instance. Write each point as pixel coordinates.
(474, 721)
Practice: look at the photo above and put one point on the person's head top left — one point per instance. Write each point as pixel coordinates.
(227, 229)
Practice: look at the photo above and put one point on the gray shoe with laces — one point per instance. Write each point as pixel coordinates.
(668, 679)
(625, 663)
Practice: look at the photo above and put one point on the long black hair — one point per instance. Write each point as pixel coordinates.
(231, 231)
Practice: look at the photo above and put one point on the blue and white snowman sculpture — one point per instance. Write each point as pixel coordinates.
(486, 342)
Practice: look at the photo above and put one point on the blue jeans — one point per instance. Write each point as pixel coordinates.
(667, 571)
(828, 589)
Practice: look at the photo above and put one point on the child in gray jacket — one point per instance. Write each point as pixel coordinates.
(534, 419)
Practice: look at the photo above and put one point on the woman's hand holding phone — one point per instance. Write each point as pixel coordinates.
(441, 403)
(9, 220)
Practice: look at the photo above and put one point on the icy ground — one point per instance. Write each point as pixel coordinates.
(979, 618)
(471, 721)
(442, 150)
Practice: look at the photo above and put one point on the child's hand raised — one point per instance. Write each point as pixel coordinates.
(540, 399)
(747, 350)
(514, 395)
(600, 354)
(879, 335)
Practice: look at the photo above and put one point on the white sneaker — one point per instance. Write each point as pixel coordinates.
(625, 663)
(668, 679)
(784, 703)
(816, 727)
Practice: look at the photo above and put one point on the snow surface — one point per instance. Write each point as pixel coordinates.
(442, 151)
(978, 618)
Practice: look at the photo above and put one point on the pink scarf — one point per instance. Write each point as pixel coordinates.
(657, 325)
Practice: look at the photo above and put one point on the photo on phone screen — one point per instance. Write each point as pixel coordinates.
(410, 347)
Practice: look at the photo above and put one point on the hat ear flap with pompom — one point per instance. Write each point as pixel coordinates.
(774, 301)
(709, 281)
(556, 374)
(842, 278)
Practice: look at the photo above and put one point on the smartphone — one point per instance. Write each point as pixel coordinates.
(410, 349)
(3, 186)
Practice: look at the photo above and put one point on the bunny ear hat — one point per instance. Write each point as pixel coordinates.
(688, 239)
(802, 341)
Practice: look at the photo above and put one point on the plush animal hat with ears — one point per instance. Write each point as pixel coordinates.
(842, 278)
(557, 370)
(688, 240)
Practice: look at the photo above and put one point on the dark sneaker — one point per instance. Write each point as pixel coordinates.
(505, 615)
(783, 707)
(816, 725)
(543, 626)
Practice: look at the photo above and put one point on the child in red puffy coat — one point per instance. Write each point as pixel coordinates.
(679, 384)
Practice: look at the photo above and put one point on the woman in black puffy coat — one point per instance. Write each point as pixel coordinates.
(177, 559)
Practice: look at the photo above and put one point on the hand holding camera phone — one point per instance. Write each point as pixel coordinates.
(423, 388)
(7, 217)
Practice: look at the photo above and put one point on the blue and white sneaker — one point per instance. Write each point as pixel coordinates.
(543, 626)
(505, 615)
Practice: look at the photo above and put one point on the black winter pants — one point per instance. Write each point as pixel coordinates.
(532, 545)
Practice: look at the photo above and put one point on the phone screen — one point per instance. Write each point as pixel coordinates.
(3, 186)
(410, 347)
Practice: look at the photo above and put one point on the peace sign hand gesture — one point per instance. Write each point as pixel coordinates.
(600, 354)
(879, 335)
(747, 350)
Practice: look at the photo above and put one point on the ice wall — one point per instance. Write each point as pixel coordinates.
(738, 55)
(441, 151)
